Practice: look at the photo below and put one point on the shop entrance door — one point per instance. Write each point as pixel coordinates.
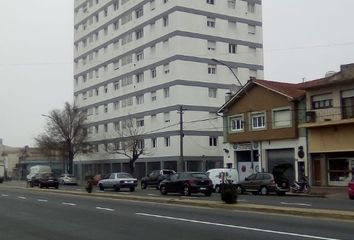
(317, 172)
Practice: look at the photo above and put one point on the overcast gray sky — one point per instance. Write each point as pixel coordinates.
(302, 39)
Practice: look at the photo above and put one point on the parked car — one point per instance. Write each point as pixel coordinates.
(264, 183)
(221, 175)
(155, 178)
(118, 181)
(187, 183)
(67, 179)
(38, 169)
(44, 180)
(351, 189)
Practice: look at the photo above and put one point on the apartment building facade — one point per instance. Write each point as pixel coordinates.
(144, 59)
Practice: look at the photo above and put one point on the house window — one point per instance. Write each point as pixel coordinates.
(210, 2)
(96, 110)
(322, 101)
(153, 142)
(213, 141)
(153, 96)
(105, 108)
(141, 144)
(211, 45)
(96, 129)
(165, 21)
(166, 92)
(236, 123)
(348, 104)
(281, 118)
(231, 4)
(139, 33)
(166, 117)
(139, 77)
(117, 126)
(116, 5)
(116, 85)
(105, 89)
(127, 80)
(232, 48)
(127, 59)
(105, 31)
(139, 99)
(140, 122)
(106, 127)
(116, 146)
(116, 105)
(116, 25)
(139, 12)
(127, 17)
(211, 69)
(139, 56)
(166, 68)
(251, 29)
(116, 65)
(258, 121)
(97, 91)
(127, 38)
(167, 141)
(212, 92)
(250, 7)
(211, 22)
(153, 73)
(105, 12)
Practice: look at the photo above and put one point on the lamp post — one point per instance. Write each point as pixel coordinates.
(242, 88)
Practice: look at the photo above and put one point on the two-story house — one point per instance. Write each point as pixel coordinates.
(330, 127)
(261, 129)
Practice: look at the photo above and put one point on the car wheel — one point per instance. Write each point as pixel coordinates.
(132, 189)
(264, 190)
(101, 187)
(56, 186)
(186, 191)
(207, 194)
(217, 188)
(240, 190)
(143, 185)
(163, 190)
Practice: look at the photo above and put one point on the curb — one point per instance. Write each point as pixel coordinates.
(313, 213)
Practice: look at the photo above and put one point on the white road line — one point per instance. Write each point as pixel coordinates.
(78, 189)
(237, 227)
(42, 200)
(67, 203)
(297, 204)
(22, 197)
(241, 200)
(4, 195)
(106, 209)
(152, 194)
(125, 192)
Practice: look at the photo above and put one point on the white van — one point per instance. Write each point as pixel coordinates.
(216, 176)
(38, 169)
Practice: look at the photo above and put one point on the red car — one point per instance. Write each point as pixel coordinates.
(351, 189)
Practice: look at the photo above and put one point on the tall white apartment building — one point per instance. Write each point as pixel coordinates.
(143, 59)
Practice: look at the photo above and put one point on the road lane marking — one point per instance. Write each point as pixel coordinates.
(78, 189)
(236, 226)
(67, 203)
(4, 195)
(42, 200)
(22, 197)
(296, 204)
(124, 192)
(241, 200)
(105, 209)
(152, 194)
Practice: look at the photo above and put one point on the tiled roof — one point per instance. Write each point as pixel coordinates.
(290, 90)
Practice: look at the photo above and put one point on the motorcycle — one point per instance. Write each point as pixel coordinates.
(302, 186)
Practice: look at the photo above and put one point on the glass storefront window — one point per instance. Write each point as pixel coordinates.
(338, 170)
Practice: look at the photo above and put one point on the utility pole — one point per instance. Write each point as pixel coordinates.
(180, 164)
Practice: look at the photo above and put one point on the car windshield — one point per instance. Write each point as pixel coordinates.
(124, 175)
(167, 172)
(199, 175)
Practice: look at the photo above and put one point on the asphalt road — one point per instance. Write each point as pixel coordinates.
(298, 201)
(39, 215)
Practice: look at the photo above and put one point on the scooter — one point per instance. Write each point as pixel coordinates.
(302, 186)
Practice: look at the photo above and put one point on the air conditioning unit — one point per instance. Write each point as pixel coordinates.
(310, 116)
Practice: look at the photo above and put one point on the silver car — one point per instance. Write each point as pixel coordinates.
(67, 179)
(118, 181)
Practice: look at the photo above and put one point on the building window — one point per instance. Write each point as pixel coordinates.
(251, 29)
(115, 5)
(213, 141)
(153, 96)
(322, 101)
(165, 21)
(141, 144)
(166, 68)
(211, 22)
(139, 12)
(140, 122)
(154, 142)
(167, 141)
(116, 126)
(105, 89)
(139, 99)
(127, 17)
(127, 38)
(153, 73)
(139, 56)
(231, 4)
(116, 146)
(282, 118)
(97, 91)
(251, 7)
(152, 5)
(105, 31)
(236, 123)
(116, 85)
(116, 25)
(139, 77)
(106, 127)
(258, 121)
(166, 92)
(127, 59)
(232, 48)
(166, 117)
(116, 105)
(211, 69)
(105, 108)
(212, 92)
(348, 104)
(211, 45)
(96, 110)
(127, 80)
(96, 129)
(139, 33)
(210, 2)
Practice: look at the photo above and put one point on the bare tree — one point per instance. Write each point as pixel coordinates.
(130, 142)
(64, 132)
